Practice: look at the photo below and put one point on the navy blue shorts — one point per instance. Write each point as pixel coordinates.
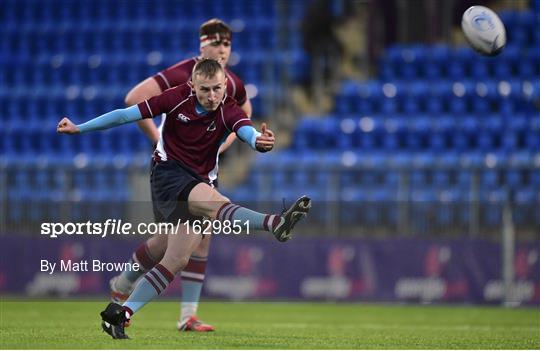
(171, 182)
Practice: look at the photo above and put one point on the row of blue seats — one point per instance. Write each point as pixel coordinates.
(376, 89)
(23, 51)
(358, 212)
(58, 59)
(176, 26)
(328, 183)
(443, 54)
(368, 196)
(127, 139)
(81, 103)
(28, 203)
(353, 186)
(394, 180)
(418, 123)
(374, 173)
(526, 18)
(131, 39)
(457, 97)
(67, 161)
(438, 142)
(40, 114)
(106, 73)
(425, 207)
(346, 105)
(21, 65)
(40, 179)
(361, 195)
(44, 140)
(426, 215)
(37, 179)
(68, 74)
(111, 10)
(353, 98)
(401, 160)
(79, 205)
(525, 66)
(133, 27)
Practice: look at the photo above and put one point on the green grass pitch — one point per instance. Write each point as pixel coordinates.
(75, 325)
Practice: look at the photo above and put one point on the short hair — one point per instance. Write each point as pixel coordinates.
(215, 26)
(207, 67)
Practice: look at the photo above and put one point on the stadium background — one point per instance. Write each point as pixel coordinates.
(422, 157)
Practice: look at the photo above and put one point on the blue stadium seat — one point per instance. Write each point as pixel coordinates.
(525, 205)
(514, 178)
(518, 36)
(441, 178)
(535, 5)
(490, 179)
(491, 205)
(534, 178)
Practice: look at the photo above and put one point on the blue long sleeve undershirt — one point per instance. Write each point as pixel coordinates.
(112, 119)
(247, 134)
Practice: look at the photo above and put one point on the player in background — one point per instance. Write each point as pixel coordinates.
(198, 120)
(215, 38)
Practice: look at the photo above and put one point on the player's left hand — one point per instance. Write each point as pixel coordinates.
(265, 142)
(65, 126)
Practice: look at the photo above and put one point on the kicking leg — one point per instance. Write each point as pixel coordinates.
(206, 201)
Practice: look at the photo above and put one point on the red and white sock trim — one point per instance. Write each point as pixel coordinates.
(226, 211)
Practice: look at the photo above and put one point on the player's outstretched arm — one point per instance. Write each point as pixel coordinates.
(260, 141)
(106, 121)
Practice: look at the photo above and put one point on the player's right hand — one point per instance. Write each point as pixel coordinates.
(65, 126)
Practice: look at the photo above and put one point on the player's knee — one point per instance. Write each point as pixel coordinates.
(210, 206)
(205, 201)
(218, 200)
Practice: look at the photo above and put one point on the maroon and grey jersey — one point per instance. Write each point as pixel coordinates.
(180, 73)
(188, 137)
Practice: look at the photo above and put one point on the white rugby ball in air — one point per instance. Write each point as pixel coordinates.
(484, 30)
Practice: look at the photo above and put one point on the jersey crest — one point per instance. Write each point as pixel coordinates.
(183, 118)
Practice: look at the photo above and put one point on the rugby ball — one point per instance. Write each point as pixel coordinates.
(484, 30)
